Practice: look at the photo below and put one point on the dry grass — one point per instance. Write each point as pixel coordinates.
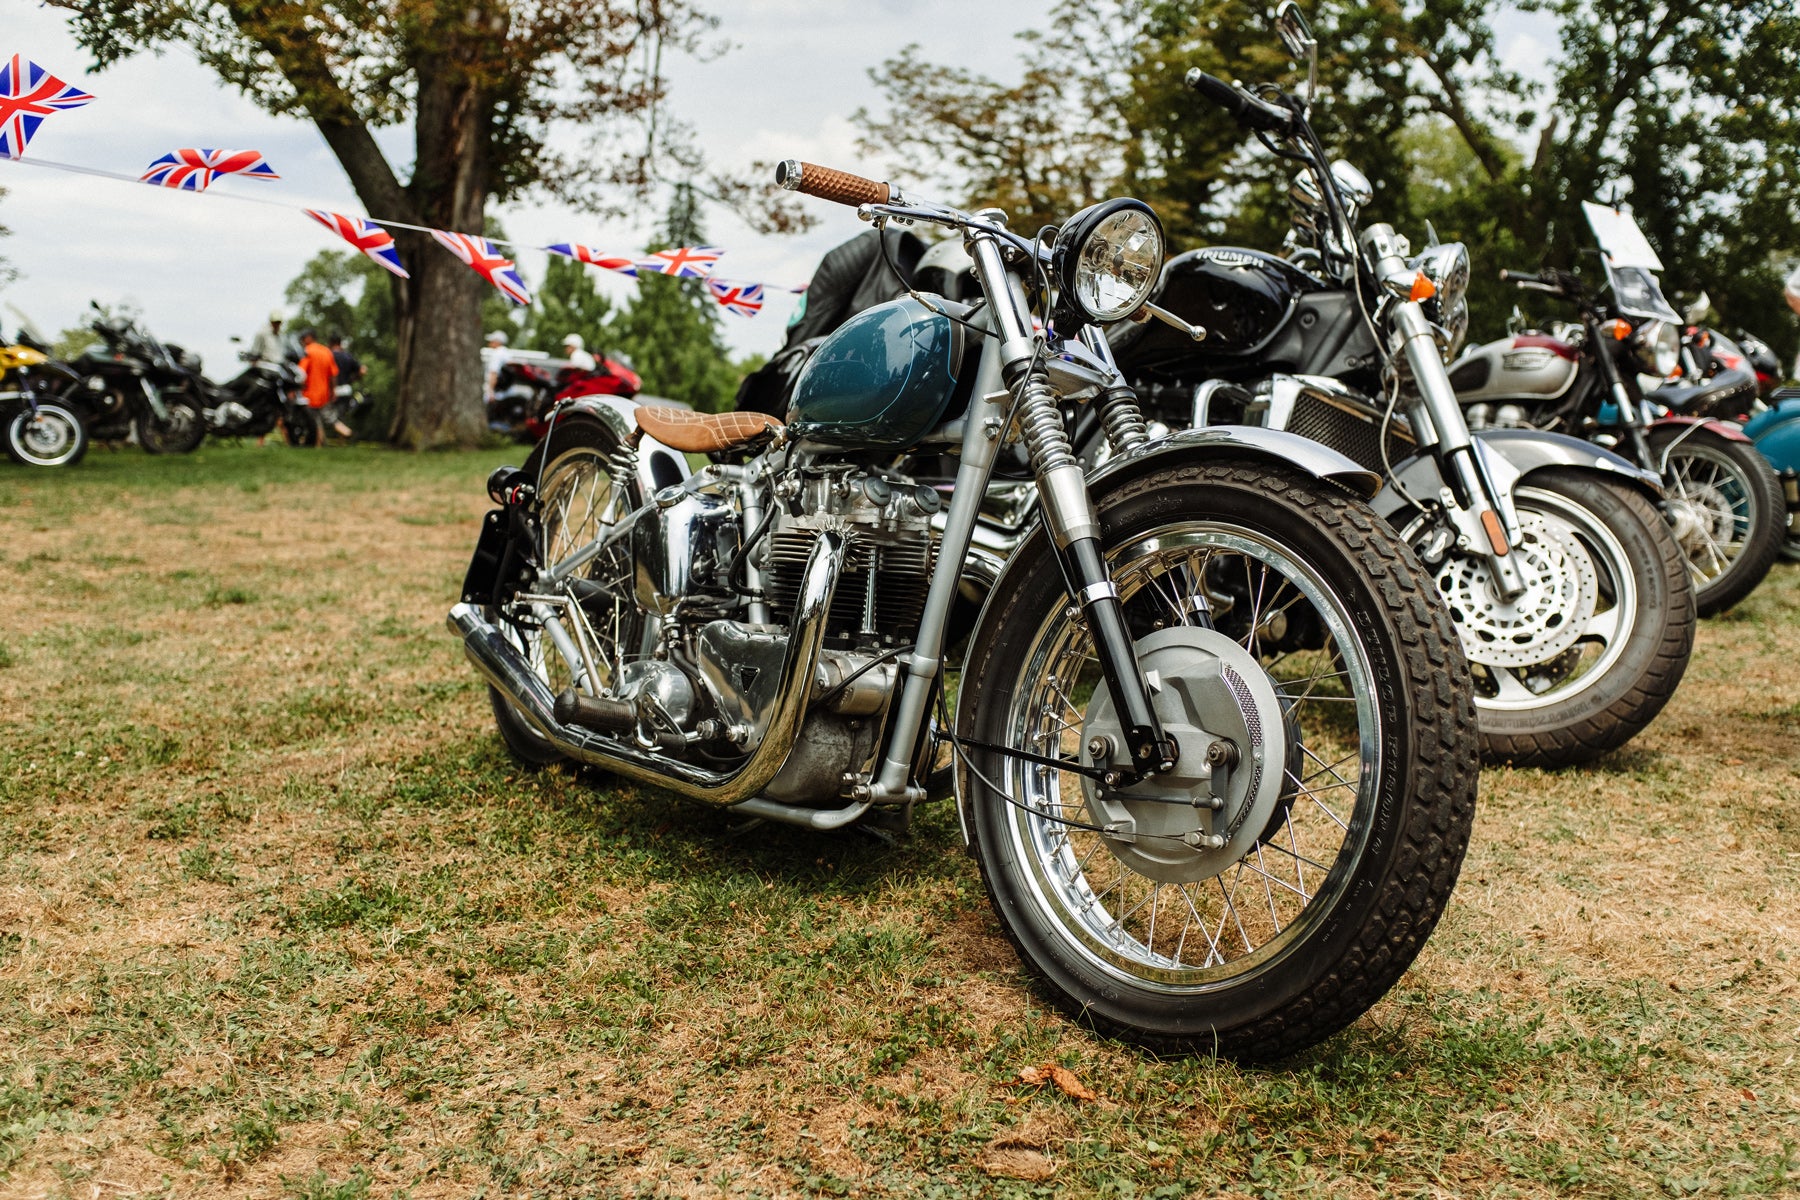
(277, 917)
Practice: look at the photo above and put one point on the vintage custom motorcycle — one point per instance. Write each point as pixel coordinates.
(1721, 498)
(1213, 745)
(1568, 593)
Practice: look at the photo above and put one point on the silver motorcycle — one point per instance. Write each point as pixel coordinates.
(1200, 835)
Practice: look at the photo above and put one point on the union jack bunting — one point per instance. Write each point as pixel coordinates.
(28, 94)
(687, 262)
(365, 235)
(594, 258)
(738, 299)
(487, 262)
(193, 170)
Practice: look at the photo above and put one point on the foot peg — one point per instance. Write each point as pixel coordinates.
(597, 713)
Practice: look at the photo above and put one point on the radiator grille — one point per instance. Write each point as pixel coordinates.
(1351, 434)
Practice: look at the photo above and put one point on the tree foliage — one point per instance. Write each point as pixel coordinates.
(1689, 111)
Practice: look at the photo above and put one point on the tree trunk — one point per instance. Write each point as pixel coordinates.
(437, 318)
(438, 310)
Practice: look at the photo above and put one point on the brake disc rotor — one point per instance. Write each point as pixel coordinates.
(1542, 622)
(1173, 828)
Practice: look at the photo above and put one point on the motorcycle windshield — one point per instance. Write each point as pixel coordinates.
(1637, 294)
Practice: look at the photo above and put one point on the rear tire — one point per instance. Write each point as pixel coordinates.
(576, 499)
(52, 435)
(1372, 853)
(1736, 494)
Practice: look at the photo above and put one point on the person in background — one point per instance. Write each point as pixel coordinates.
(1792, 290)
(319, 368)
(349, 371)
(493, 353)
(577, 355)
(266, 346)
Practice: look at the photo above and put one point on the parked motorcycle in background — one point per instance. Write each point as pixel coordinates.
(1570, 597)
(133, 386)
(1721, 497)
(43, 427)
(529, 383)
(1197, 839)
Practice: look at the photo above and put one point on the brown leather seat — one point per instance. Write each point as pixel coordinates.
(703, 433)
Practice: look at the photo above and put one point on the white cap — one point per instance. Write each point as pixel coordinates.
(275, 316)
(496, 336)
(574, 339)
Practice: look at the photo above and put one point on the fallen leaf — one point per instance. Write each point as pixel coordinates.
(1065, 1080)
(1749, 1095)
(1014, 1163)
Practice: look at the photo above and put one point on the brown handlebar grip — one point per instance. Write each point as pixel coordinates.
(827, 184)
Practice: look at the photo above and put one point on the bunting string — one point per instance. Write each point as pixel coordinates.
(29, 94)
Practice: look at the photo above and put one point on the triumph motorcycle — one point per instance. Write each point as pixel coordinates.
(1721, 498)
(132, 384)
(1201, 835)
(1567, 593)
(42, 428)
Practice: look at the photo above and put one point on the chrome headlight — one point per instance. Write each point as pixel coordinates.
(1657, 346)
(1447, 267)
(1107, 260)
(1455, 325)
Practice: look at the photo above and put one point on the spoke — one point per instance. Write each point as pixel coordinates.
(1297, 856)
(1213, 953)
(1274, 879)
(1231, 907)
(1604, 627)
(1510, 687)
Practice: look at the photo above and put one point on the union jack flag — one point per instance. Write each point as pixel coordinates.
(487, 262)
(28, 94)
(594, 258)
(738, 299)
(687, 262)
(365, 235)
(192, 170)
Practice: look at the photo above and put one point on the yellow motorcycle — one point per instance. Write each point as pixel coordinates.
(42, 428)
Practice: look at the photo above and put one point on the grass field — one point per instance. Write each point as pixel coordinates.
(279, 918)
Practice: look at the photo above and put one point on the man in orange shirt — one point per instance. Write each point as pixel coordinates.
(320, 369)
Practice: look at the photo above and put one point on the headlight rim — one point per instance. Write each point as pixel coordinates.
(1070, 313)
(1654, 357)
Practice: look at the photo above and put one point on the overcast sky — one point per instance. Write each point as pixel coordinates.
(201, 268)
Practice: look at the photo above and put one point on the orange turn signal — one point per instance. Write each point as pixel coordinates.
(1620, 330)
(1422, 288)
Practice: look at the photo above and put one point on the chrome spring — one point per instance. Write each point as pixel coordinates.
(1042, 426)
(1122, 419)
(623, 464)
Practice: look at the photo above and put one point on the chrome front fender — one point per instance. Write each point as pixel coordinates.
(1519, 452)
(1236, 441)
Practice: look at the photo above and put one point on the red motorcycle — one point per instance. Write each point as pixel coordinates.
(527, 388)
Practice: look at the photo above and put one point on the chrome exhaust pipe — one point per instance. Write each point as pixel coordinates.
(501, 664)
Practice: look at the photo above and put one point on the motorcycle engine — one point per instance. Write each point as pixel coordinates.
(887, 520)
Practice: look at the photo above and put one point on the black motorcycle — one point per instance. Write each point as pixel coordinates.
(133, 386)
(253, 403)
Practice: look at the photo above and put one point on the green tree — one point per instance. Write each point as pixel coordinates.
(568, 302)
(670, 330)
(483, 85)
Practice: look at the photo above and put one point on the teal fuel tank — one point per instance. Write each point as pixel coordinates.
(882, 381)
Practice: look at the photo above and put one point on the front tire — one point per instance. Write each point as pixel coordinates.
(181, 432)
(1590, 654)
(1724, 502)
(1317, 920)
(49, 435)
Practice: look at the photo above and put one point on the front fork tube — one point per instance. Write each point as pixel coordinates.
(1631, 418)
(1457, 458)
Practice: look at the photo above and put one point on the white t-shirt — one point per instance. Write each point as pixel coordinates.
(1793, 290)
(581, 360)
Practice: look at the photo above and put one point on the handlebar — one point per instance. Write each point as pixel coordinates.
(1553, 282)
(840, 187)
(1248, 110)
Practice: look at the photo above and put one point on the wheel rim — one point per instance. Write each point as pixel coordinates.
(1712, 508)
(1190, 938)
(49, 436)
(1606, 624)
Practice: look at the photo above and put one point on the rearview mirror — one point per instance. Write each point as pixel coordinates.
(1297, 36)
